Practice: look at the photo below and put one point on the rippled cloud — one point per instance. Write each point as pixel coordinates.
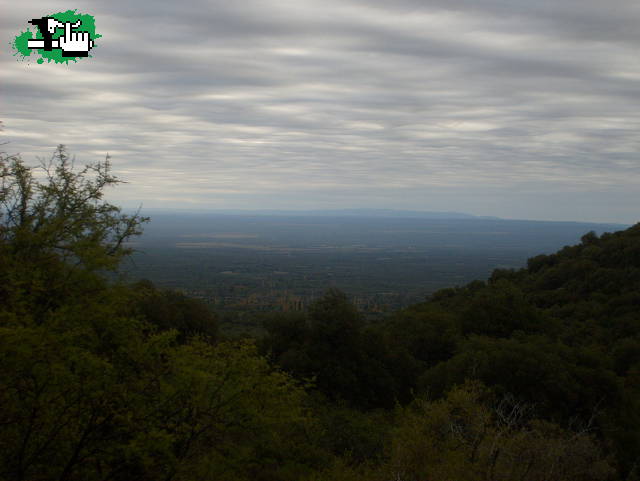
(509, 108)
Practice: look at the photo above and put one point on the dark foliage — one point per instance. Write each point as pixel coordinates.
(167, 310)
(562, 335)
(532, 375)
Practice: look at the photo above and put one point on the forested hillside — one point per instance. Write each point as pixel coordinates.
(559, 339)
(531, 375)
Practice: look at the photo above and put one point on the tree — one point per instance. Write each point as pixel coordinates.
(168, 310)
(89, 388)
(469, 436)
(137, 407)
(57, 231)
(65, 214)
(331, 345)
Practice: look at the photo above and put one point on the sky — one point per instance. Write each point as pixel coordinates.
(511, 108)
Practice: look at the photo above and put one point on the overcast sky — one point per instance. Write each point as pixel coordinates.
(513, 108)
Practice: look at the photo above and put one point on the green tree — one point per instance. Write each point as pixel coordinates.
(168, 309)
(145, 408)
(57, 232)
(468, 436)
(331, 345)
(89, 389)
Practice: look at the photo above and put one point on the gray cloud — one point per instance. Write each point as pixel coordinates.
(510, 108)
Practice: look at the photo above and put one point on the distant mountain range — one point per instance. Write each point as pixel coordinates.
(355, 213)
(407, 214)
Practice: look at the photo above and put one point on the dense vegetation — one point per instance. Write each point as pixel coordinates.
(247, 264)
(561, 337)
(532, 375)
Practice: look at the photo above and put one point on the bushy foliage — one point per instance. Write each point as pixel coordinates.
(167, 310)
(94, 383)
(561, 335)
(330, 346)
(473, 435)
(532, 375)
(143, 408)
(57, 232)
(467, 436)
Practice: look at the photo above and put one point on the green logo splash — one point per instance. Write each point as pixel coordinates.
(21, 42)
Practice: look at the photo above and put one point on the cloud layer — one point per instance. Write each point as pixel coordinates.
(510, 108)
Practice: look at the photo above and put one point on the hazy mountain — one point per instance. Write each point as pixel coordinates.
(328, 213)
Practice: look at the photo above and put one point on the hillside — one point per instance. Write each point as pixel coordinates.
(562, 336)
(247, 264)
(532, 375)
